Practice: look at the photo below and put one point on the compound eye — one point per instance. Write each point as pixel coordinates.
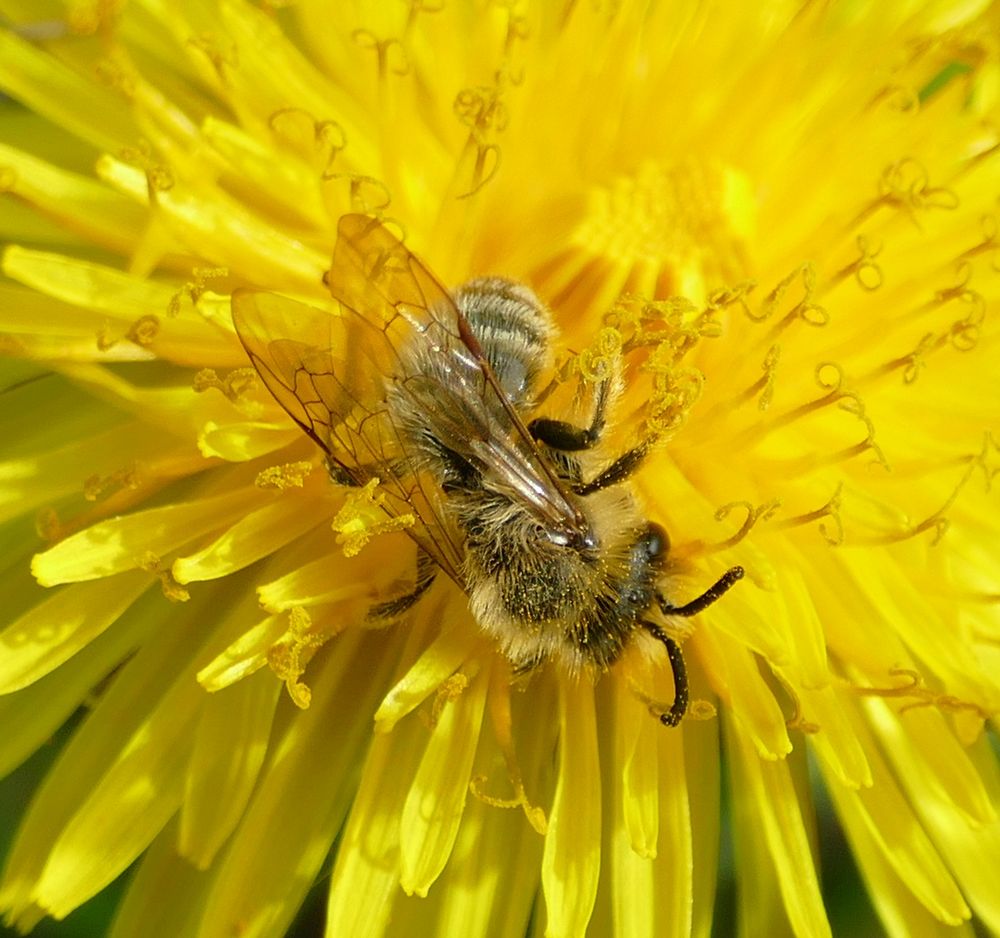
(656, 542)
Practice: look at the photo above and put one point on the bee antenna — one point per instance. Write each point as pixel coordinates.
(679, 707)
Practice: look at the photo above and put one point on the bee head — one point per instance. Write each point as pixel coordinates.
(654, 543)
(583, 540)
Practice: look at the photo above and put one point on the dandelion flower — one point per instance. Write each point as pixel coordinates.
(780, 220)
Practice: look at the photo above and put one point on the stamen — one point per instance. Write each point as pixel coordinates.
(796, 721)
(390, 54)
(937, 522)
(159, 177)
(699, 710)
(990, 242)
(97, 486)
(233, 386)
(600, 359)
(498, 702)
(451, 689)
(362, 517)
(289, 656)
(805, 310)
(318, 141)
(923, 695)
(368, 195)
(286, 476)
(48, 527)
(962, 335)
(867, 274)
(416, 7)
(194, 289)
(143, 331)
(754, 513)
(173, 590)
(221, 56)
(830, 510)
(763, 385)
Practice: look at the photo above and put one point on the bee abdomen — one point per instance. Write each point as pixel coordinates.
(513, 328)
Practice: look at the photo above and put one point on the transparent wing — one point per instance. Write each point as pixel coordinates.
(394, 370)
(328, 372)
(440, 367)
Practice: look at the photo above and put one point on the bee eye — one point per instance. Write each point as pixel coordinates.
(656, 542)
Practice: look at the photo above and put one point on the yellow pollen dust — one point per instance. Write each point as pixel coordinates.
(450, 690)
(289, 656)
(233, 385)
(193, 290)
(498, 702)
(173, 590)
(287, 476)
(96, 487)
(362, 517)
(689, 219)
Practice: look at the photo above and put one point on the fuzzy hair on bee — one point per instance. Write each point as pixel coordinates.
(435, 394)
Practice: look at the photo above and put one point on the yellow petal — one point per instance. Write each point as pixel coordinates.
(32, 715)
(836, 743)
(165, 650)
(571, 861)
(703, 777)
(631, 880)
(923, 748)
(110, 220)
(240, 440)
(442, 657)
(48, 474)
(368, 862)
(675, 857)
(163, 893)
(257, 534)
(56, 629)
(275, 853)
(892, 828)
(244, 656)
(126, 809)
(229, 748)
(434, 806)
(124, 543)
(488, 887)
(62, 94)
(735, 676)
(971, 851)
(636, 743)
(103, 292)
(769, 804)
(331, 578)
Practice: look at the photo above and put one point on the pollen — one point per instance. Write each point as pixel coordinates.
(289, 656)
(362, 517)
(286, 476)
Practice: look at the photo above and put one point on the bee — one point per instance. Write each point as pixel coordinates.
(434, 394)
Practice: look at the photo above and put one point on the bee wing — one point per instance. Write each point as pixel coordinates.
(328, 371)
(374, 274)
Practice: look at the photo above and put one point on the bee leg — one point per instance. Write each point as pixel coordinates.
(714, 592)
(681, 695)
(523, 666)
(563, 436)
(356, 476)
(679, 707)
(617, 472)
(394, 608)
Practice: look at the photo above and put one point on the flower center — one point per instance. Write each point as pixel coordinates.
(685, 223)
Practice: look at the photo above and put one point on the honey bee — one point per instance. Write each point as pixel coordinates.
(434, 394)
